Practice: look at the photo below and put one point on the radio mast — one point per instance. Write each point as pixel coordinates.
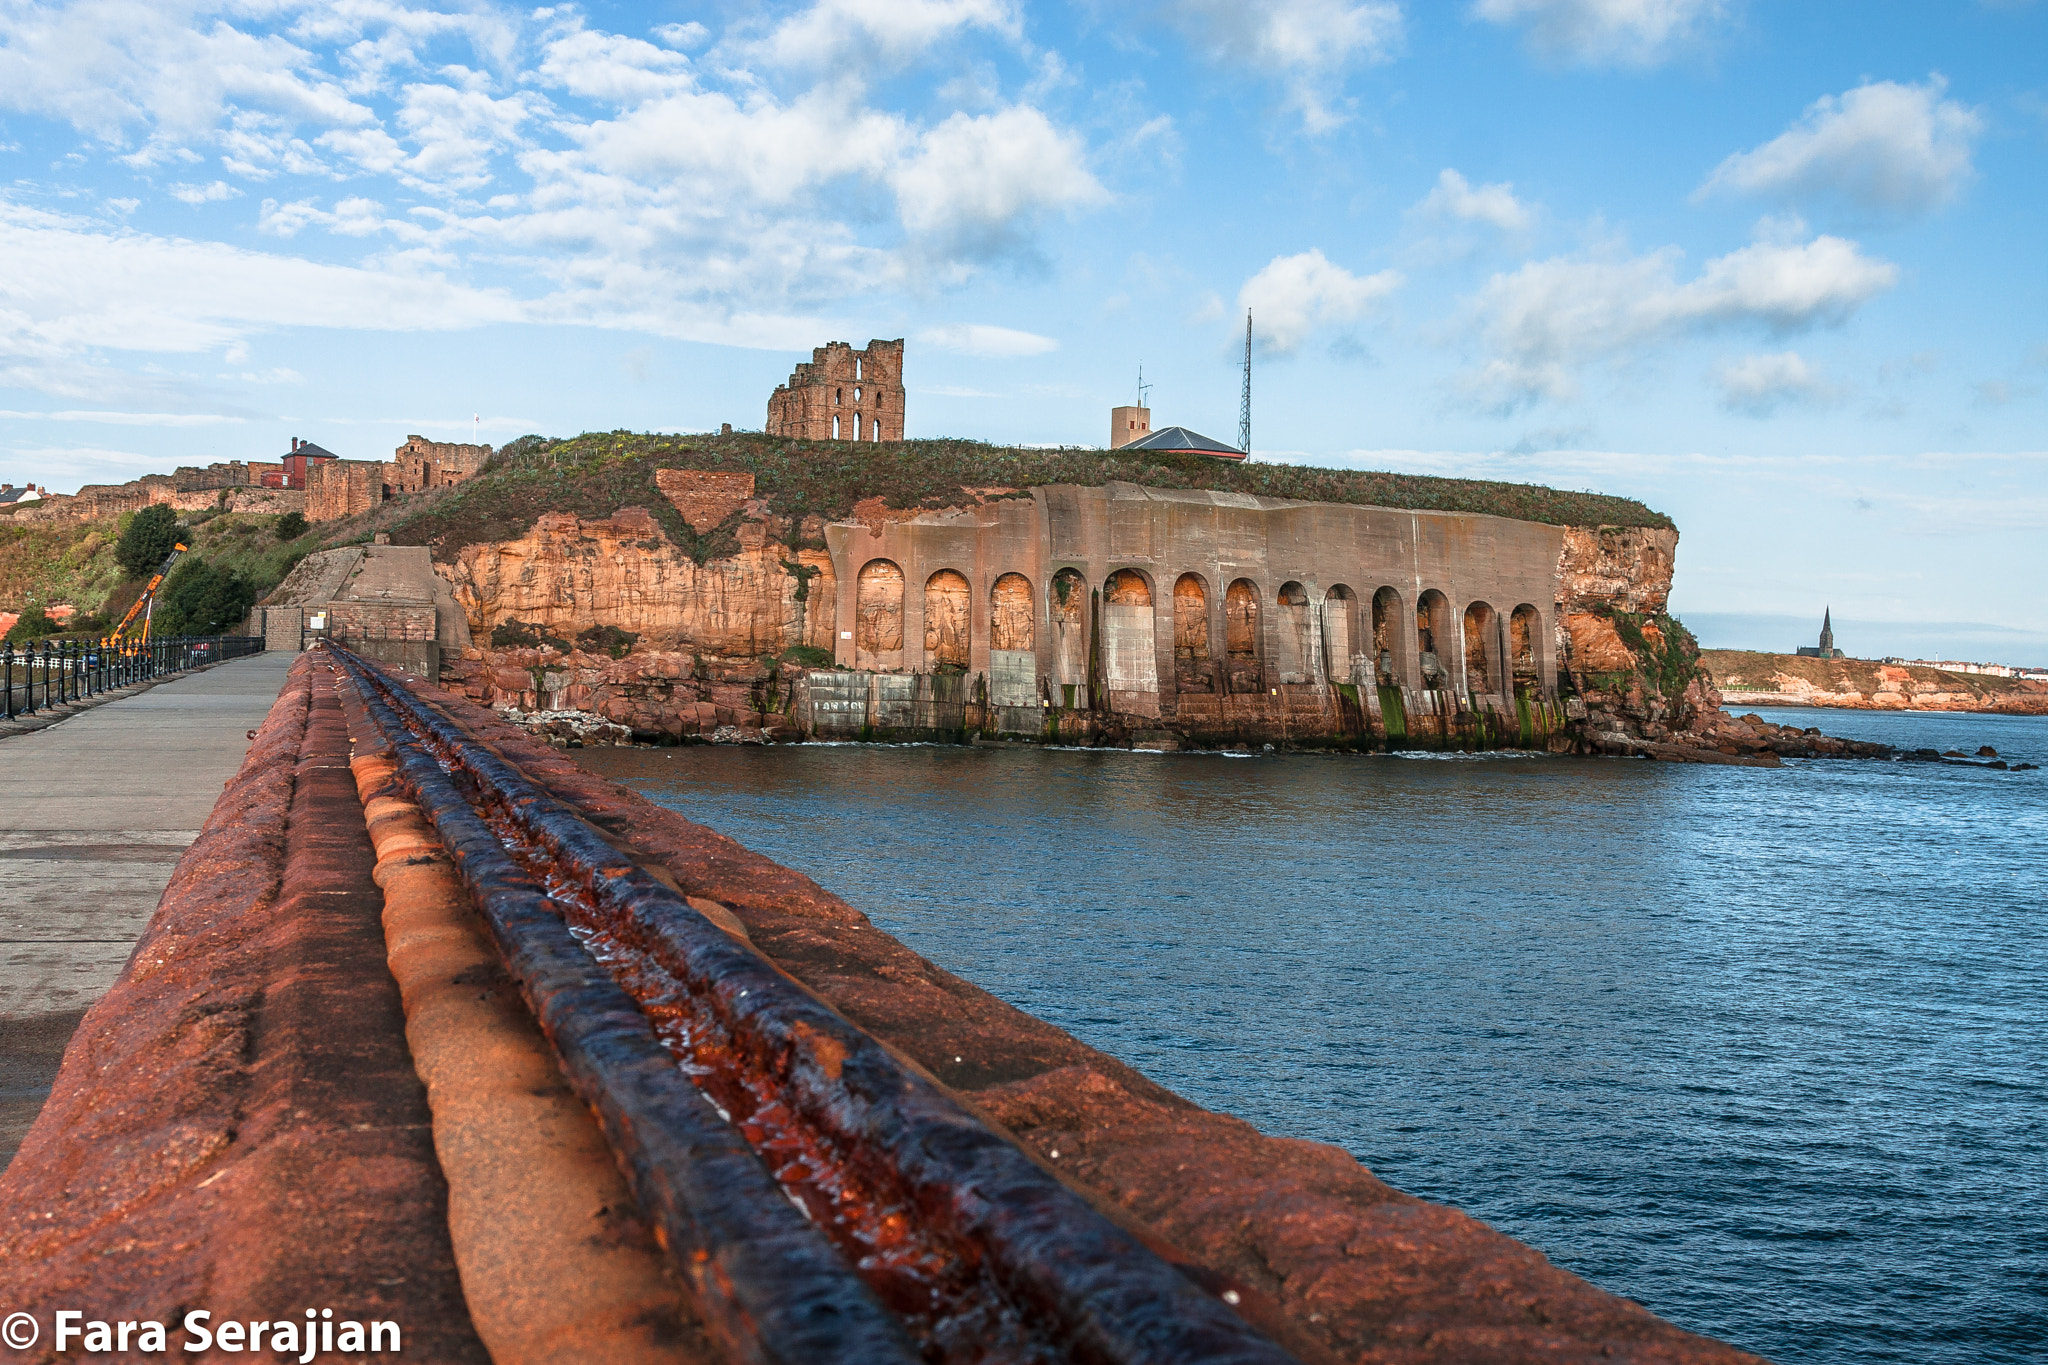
(1244, 411)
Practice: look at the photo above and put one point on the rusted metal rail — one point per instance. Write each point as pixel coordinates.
(826, 1201)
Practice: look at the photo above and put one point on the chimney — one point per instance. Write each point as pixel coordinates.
(295, 443)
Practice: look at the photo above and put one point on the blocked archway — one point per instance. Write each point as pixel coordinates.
(1525, 628)
(1481, 652)
(1066, 614)
(1293, 637)
(1010, 618)
(1012, 639)
(1190, 619)
(1389, 646)
(1241, 620)
(947, 634)
(878, 616)
(1130, 664)
(1340, 610)
(1433, 639)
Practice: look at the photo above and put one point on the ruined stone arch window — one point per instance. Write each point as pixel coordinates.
(856, 395)
(877, 435)
(856, 426)
(857, 362)
(835, 426)
(838, 396)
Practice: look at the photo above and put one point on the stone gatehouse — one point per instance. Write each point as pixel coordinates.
(842, 395)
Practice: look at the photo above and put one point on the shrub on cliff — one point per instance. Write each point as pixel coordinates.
(147, 539)
(202, 599)
(291, 526)
(33, 624)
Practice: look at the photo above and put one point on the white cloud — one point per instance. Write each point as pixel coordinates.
(1306, 45)
(611, 68)
(1898, 148)
(1758, 385)
(204, 194)
(858, 34)
(974, 338)
(72, 286)
(1609, 32)
(1550, 318)
(1496, 205)
(973, 182)
(110, 67)
(1295, 295)
(608, 179)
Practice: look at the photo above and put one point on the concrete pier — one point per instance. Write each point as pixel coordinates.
(94, 813)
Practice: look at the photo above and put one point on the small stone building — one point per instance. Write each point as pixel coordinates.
(842, 395)
(421, 464)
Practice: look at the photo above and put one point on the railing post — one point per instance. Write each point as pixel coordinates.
(7, 666)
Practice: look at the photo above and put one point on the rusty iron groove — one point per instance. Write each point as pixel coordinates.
(1084, 1288)
(772, 1289)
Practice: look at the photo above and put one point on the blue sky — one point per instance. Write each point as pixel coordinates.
(1775, 269)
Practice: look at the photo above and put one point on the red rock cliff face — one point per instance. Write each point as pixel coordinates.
(708, 634)
(568, 574)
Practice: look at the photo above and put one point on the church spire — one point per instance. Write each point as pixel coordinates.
(1827, 633)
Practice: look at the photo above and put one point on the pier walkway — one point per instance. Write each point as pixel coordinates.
(94, 813)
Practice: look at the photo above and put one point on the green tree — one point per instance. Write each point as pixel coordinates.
(291, 526)
(146, 539)
(33, 624)
(202, 599)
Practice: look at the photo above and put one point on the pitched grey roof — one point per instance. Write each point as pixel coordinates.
(1181, 439)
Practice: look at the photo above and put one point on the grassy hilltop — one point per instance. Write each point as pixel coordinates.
(599, 472)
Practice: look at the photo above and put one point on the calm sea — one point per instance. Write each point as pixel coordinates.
(1766, 1050)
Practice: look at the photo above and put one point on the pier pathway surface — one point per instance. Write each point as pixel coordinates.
(94, 813)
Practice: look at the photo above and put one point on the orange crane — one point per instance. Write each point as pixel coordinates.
(145, 605)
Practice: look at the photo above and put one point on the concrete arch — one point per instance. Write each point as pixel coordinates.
(1128, 587)
(1293, 633)
(1241, 620)
(1340, 629)
(1130, 665)
(1482, 652)
(1525, 643)
(1190, 618)
(1012, 621)
(1435, 641)
(878, 616)
(948, 636)
(1066, 614)
(1390, 659)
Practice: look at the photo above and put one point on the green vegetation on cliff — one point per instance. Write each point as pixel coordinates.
(596, 474)
(79, 563)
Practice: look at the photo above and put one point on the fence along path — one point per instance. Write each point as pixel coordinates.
(94, 813)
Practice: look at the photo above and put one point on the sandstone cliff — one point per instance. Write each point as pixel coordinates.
(1865, 685)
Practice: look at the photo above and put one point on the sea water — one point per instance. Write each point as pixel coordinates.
(1765, 1050)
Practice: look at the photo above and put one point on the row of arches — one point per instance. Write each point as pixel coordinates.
(1303, 642)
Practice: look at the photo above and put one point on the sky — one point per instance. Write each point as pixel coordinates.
(1774, 269)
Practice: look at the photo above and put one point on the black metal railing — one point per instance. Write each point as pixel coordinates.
(52, 672)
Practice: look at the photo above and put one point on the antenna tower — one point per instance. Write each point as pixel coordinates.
(1244, 411)
(1142, 385)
